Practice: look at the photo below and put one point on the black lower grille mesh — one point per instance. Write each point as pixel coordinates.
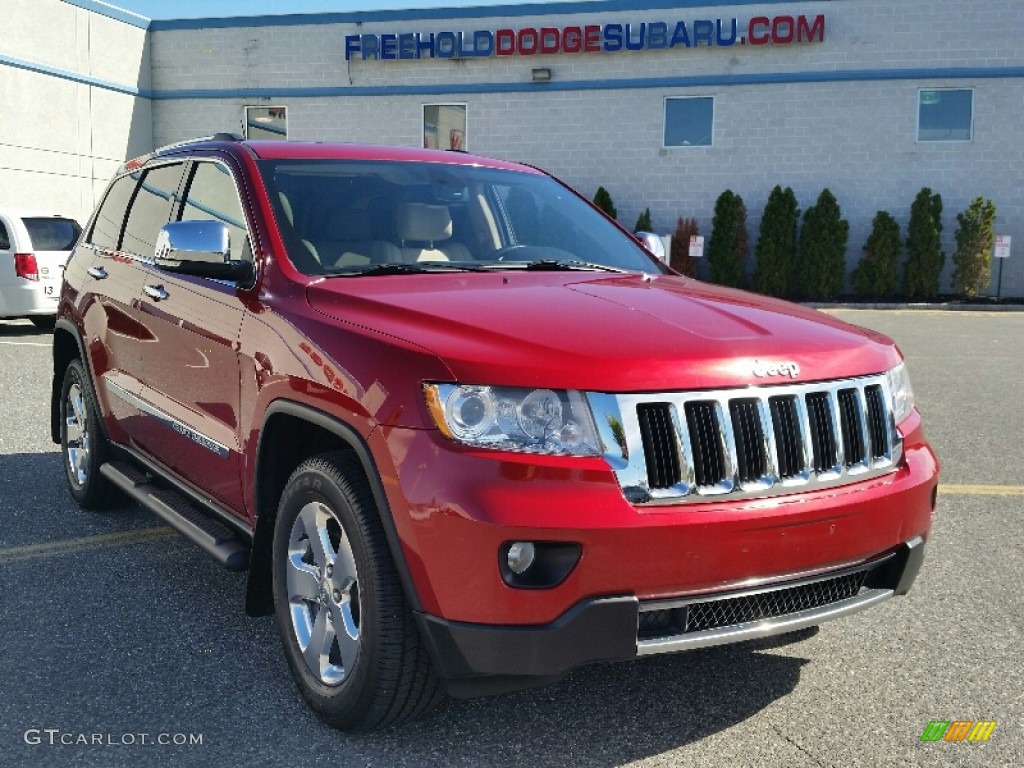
(766, 605)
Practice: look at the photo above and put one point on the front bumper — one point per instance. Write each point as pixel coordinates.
(482, 659)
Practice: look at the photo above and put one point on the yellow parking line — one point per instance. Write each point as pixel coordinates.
(982, 490)
(51, 548)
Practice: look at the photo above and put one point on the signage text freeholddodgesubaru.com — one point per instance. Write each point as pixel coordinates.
(589, 38)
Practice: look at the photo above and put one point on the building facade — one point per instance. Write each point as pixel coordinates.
(665, 104)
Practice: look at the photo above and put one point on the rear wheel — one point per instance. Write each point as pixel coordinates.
(348, 632)
(82, 441)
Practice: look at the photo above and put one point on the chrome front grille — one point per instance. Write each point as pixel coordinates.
(757, 441)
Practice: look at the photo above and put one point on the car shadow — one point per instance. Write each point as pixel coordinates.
(605, 715)
(17, 328)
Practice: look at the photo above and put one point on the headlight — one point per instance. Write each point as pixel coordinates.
(901, 392)
(513, 419)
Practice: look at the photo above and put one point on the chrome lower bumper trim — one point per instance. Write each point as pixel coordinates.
(765, 627)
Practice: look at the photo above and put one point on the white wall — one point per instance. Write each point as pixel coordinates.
(61, 140)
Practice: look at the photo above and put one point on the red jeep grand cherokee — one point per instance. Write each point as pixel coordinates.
(463, 431)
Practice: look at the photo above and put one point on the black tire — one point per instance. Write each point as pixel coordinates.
(383, 675)
(44, 322)
(83, 445)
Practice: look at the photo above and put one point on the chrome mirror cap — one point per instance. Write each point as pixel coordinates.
(652, 243)
(203, 241)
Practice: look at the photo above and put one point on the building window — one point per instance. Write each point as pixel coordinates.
(689, 122)
(265, 123)
(444, 126)
(945, 114)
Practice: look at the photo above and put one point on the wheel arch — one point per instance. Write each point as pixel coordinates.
(281, 447)
(67, 345)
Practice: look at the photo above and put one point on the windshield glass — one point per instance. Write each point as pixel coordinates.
(350, 217)
(52, 234)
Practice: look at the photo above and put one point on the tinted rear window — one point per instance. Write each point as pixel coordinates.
(52, 234)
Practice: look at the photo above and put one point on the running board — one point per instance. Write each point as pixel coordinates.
(188, 520)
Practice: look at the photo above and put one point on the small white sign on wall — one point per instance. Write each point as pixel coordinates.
(1002, 249)
(696, 246)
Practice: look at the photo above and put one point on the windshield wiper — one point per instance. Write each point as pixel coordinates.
(562, 265)
(403, 268)
(553, 265)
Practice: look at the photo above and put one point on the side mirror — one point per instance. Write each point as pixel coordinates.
(652, 243)
(201, 248)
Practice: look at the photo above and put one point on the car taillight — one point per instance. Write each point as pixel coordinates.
(25, 266)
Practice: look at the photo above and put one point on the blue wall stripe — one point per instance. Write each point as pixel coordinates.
(444, 14)
(111, 12)
(74, 77)
(764, 78)
(774, 78)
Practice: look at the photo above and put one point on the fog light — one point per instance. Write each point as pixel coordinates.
(520, 556)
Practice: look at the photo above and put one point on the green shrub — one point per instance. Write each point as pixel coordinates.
(603, 200)
(729, 247)
(643, 224)
(821, 264)
(679, 253)
(776, 244)
(924, 246)
(877, 274)
(975, 237)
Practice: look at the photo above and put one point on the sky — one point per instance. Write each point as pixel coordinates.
(184, 9)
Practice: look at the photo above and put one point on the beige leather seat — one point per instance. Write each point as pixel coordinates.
(425, 232)
(286, 206)
(347, 242)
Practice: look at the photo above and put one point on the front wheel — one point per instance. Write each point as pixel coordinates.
(348, 632)
(82, 441)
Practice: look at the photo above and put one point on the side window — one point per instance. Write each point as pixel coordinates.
(151, 209)
(212, 195)
(5, 240)
(106, 231)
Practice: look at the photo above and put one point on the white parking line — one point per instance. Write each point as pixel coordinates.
(26, 344)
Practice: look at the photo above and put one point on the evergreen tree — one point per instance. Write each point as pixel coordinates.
(924, 246)
(776, 244)
(821, 266)
(603, 200)
(975, 237)
(643, 223)
(729, 247)
(679, 253)
(877, 275)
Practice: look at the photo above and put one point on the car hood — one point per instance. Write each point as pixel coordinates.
(600, 332)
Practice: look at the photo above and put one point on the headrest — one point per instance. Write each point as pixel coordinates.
(286, 205)
(423, 222)
(348, 225)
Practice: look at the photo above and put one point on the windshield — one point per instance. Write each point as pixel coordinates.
(382, 218)
(52, 234)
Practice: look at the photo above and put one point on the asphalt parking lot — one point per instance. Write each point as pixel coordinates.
(111, 625)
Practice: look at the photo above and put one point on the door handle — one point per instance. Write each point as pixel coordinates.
(98, 272)
(155, 292)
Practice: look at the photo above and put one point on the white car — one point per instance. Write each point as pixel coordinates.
(34, 246)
